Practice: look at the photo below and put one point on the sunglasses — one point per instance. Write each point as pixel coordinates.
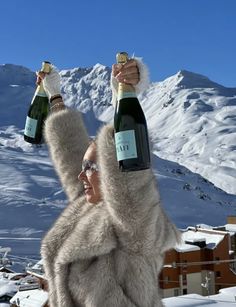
(89, 167)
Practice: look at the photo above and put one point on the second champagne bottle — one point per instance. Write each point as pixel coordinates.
(38, 111)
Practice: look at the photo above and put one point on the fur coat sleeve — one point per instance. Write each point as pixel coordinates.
(133, 201)
(133, 198)
(67, 140)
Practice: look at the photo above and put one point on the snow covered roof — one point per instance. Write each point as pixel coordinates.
(7, 286)
(212, 238)
(11, 276)
(37, 269)
(190, 236)
(225, 298)
(230, 227)
(36, 298)
(205, 226)
(38, 265)
(186, 248)
(4, 269)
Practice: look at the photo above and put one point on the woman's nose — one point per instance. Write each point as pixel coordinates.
(81, 175)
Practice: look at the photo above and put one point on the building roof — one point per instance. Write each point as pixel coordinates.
(193, 235)
(7, 270)
(7, 286)
(230, 227)
(212, 238)
(225, 298)
(36, 269)
(38, 265)
(183, 247)
(36, 298)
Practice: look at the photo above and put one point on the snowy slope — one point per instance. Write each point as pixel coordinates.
(16, 90)
(193, 122)
(191, 126)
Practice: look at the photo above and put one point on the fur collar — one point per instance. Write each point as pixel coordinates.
(82, 231)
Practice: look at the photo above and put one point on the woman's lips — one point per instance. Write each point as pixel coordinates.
(87, 189)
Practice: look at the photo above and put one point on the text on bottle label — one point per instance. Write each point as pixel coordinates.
(30, 127)
(125, 145)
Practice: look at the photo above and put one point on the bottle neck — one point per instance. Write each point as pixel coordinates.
(40, 90)
(126, 91)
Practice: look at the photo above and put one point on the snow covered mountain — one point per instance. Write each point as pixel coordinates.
(192, 126)
(193, 122)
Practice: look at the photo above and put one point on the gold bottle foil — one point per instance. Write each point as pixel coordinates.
(124, 89)
(122, 57)
(46, 67)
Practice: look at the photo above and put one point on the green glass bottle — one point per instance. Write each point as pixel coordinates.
(131, 134)
(37, 113)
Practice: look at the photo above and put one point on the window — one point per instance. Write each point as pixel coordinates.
(233, 266)
(185, 291)
(184, 279)
(185, 265)
(166, 279)
(218, 274)
(176, 292)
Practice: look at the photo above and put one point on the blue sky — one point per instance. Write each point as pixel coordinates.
(196, 35)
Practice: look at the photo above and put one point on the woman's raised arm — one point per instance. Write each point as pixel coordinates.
(66, 137)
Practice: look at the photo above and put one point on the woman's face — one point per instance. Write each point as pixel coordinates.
(90, 175)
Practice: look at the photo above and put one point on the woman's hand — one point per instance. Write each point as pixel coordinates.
(51, 82)
(126, 73)
(40, 75)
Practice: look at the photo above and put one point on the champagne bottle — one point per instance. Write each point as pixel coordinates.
(131, 135)
(37, 113)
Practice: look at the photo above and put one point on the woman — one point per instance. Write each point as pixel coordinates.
(106, 249)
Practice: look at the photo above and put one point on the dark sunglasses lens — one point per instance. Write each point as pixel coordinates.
(85, 166)
(88, 165)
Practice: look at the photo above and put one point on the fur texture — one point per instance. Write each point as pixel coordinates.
(109, 254)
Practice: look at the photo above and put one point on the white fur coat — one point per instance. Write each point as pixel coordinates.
(108, 254)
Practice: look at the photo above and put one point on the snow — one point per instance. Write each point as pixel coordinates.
(7, 286)
(191, 236)
(192, 127)
(230, 227)
(212, 239)
(36, 298)
(36, 269)
(182, 248)
(225, 298)
(192, 120)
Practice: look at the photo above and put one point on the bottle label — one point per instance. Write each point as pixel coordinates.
(125, 145)
(30, 127)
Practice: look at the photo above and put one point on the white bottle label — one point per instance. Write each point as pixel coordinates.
(30, 127)
(125, 145)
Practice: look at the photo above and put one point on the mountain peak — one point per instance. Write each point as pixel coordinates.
(188, 79)
(99, 66)
(11, 74)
